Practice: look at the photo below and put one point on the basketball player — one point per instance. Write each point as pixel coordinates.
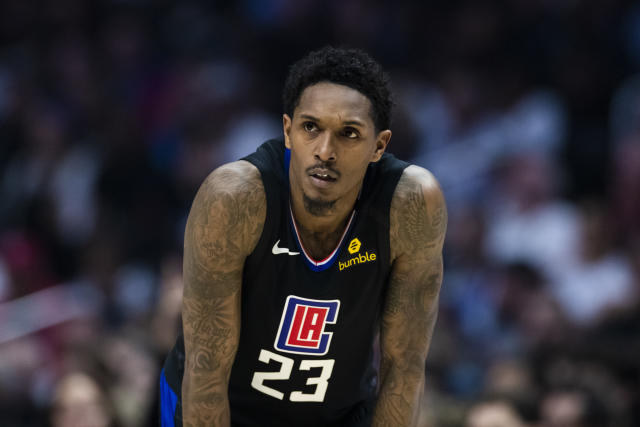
(298, 257)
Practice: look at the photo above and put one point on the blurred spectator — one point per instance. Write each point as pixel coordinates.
(79, 401)
(470, 295)
(625, 134)
(572, 408)
(511, 377)
(626, 187)
(527, 304)
(25, 364)
(166, 318)
(587, 390)
(494, 413)
(526, 219)
(461, 140)
(134, 377)
(601, 281)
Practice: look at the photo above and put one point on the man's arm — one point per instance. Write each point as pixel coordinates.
(224, 225)
(418, 222)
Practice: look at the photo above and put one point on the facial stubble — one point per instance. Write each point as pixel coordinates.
(317, 207)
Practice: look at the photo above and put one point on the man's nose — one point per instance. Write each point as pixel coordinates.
(325, 149)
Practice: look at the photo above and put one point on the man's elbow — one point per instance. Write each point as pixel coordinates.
(410, 367)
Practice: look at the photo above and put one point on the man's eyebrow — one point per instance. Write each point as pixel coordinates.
(353, 123)
(309, 117)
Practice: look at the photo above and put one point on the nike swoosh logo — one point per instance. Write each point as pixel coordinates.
(277, 251)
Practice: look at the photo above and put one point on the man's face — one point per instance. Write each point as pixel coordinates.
(332, 140)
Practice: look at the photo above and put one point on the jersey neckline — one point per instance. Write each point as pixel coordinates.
(320, 265)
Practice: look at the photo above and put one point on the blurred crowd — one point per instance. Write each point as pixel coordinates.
(112, 112)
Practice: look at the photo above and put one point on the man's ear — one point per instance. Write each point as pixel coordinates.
(382, 140)
(286, 128)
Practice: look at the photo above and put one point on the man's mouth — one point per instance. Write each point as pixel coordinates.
(323, 174)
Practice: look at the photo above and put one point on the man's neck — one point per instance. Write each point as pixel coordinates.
(332, 220)
(320, 234)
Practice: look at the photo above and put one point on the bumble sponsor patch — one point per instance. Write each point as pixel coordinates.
(354, 246)
(359, 258)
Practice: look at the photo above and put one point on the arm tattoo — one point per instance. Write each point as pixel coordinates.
(224, 226)
(417, 228)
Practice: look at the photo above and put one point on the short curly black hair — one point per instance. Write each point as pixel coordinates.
(349, 67)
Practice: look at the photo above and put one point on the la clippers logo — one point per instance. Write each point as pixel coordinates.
(302, 327)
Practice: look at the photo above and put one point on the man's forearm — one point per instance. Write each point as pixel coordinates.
(211, 339)
(210, 408)
(399, 397)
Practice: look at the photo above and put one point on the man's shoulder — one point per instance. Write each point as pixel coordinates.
(231, 201)
(234, 190)
(418, 214)
(416, 181)
(238, 178)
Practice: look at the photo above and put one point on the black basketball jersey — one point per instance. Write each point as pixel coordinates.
(305, 356)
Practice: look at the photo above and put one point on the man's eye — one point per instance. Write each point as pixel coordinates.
(309, 126)
(351, 133)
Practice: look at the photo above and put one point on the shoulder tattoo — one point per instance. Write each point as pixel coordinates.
(418, 217)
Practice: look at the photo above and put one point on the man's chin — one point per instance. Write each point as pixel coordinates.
(317, 206)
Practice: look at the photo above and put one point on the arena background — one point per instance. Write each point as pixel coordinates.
(528, 112)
